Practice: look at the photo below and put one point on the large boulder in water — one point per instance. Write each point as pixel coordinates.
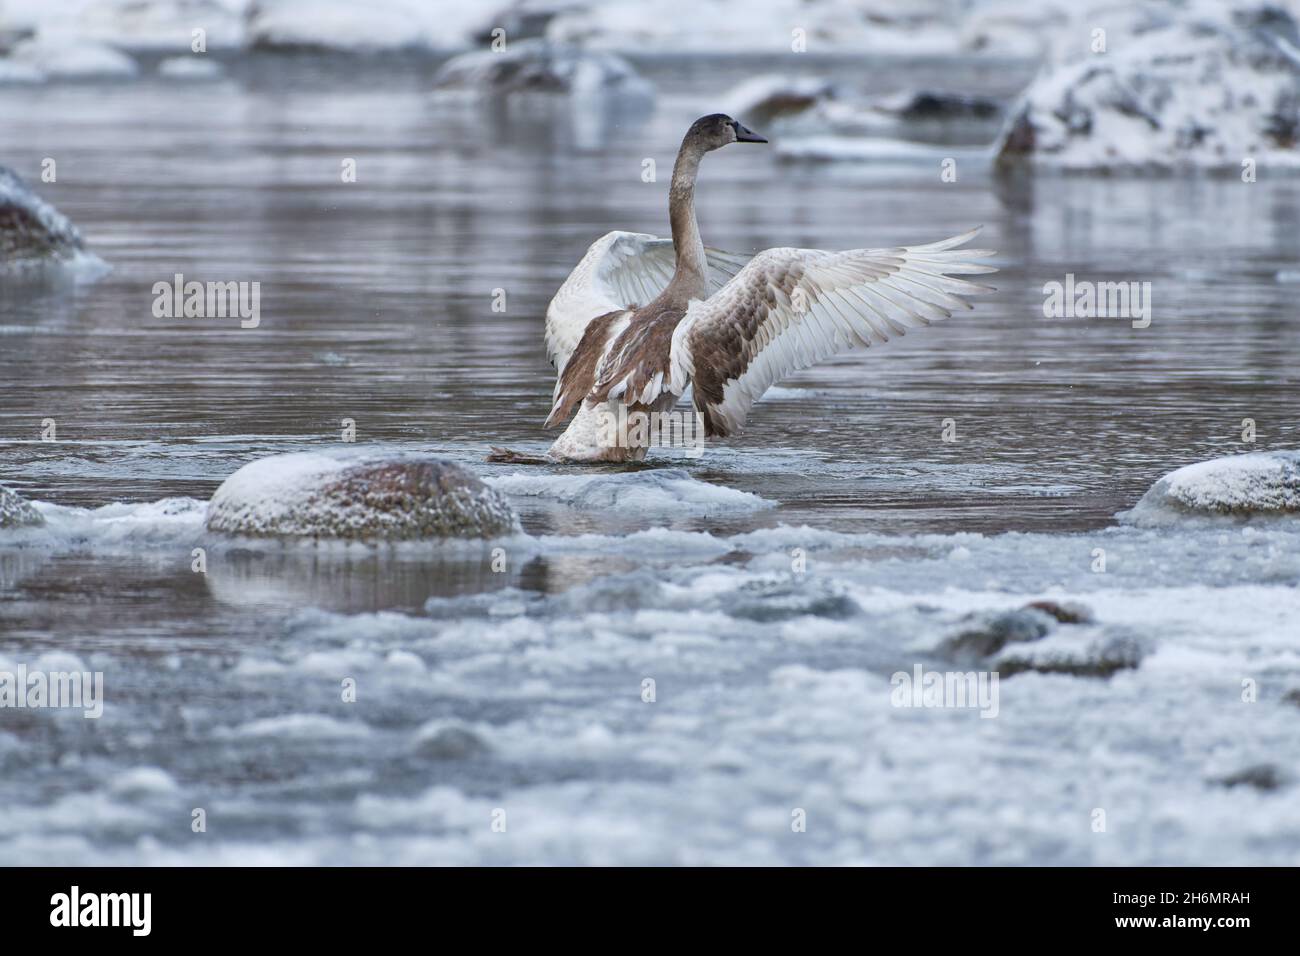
(1260, 484)
(360, 496)
(1206, 85)
(16, 512)
(34, 235)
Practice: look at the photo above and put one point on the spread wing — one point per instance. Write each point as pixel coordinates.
(791, 308)
(620, 270)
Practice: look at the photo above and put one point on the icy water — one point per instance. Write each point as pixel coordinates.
(769, 589)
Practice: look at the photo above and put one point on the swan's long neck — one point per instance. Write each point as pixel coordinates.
(690, 280)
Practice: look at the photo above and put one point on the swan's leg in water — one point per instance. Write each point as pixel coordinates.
(593, 436)
(511, 457)
(587, 439)
(608, 432)
(612, 432)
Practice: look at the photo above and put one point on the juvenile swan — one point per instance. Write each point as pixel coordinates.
(640, 318)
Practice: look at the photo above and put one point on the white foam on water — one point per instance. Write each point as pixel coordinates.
(115, 526)
(298, 726)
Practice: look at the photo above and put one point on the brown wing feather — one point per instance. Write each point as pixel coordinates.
(640, 359)
(579, 373)
(723, 354)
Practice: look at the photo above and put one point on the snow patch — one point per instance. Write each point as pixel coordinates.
(1202, 85)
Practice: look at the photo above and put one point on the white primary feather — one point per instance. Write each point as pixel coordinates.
(791, 308)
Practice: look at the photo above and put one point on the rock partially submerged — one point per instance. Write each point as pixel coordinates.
(814, 106)
(989, 634)
(34, 235)
(358, 496)
(1030, 639)
(17, 512)
(449, 741)
(1077, 653)
(537, 66)
(765, 99)
(1207, 85)
(1259, 484)
(924, 105)
(1264, 776)
(1071, 612)
(11, 35)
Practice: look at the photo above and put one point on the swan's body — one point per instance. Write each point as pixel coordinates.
(640, 318)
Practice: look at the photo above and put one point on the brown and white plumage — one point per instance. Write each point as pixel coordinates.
(641, 318)
(621, 272)
(789, 309)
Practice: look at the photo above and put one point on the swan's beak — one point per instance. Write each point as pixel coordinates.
(744, 135)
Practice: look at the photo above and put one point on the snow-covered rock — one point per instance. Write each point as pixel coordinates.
(374, 26)
(1046, 637)
(444, 740)
(161, 24)
(773, 96)
(812, 107)
(36, 236)
(358, 495)
(16, 512)
(538, 66)
(331, 25)
(1206, 84)
(1255, 484)
(1079, 652)
(986, 634)
(74, 59)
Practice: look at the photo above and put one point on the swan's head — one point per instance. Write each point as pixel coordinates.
(717, 130)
